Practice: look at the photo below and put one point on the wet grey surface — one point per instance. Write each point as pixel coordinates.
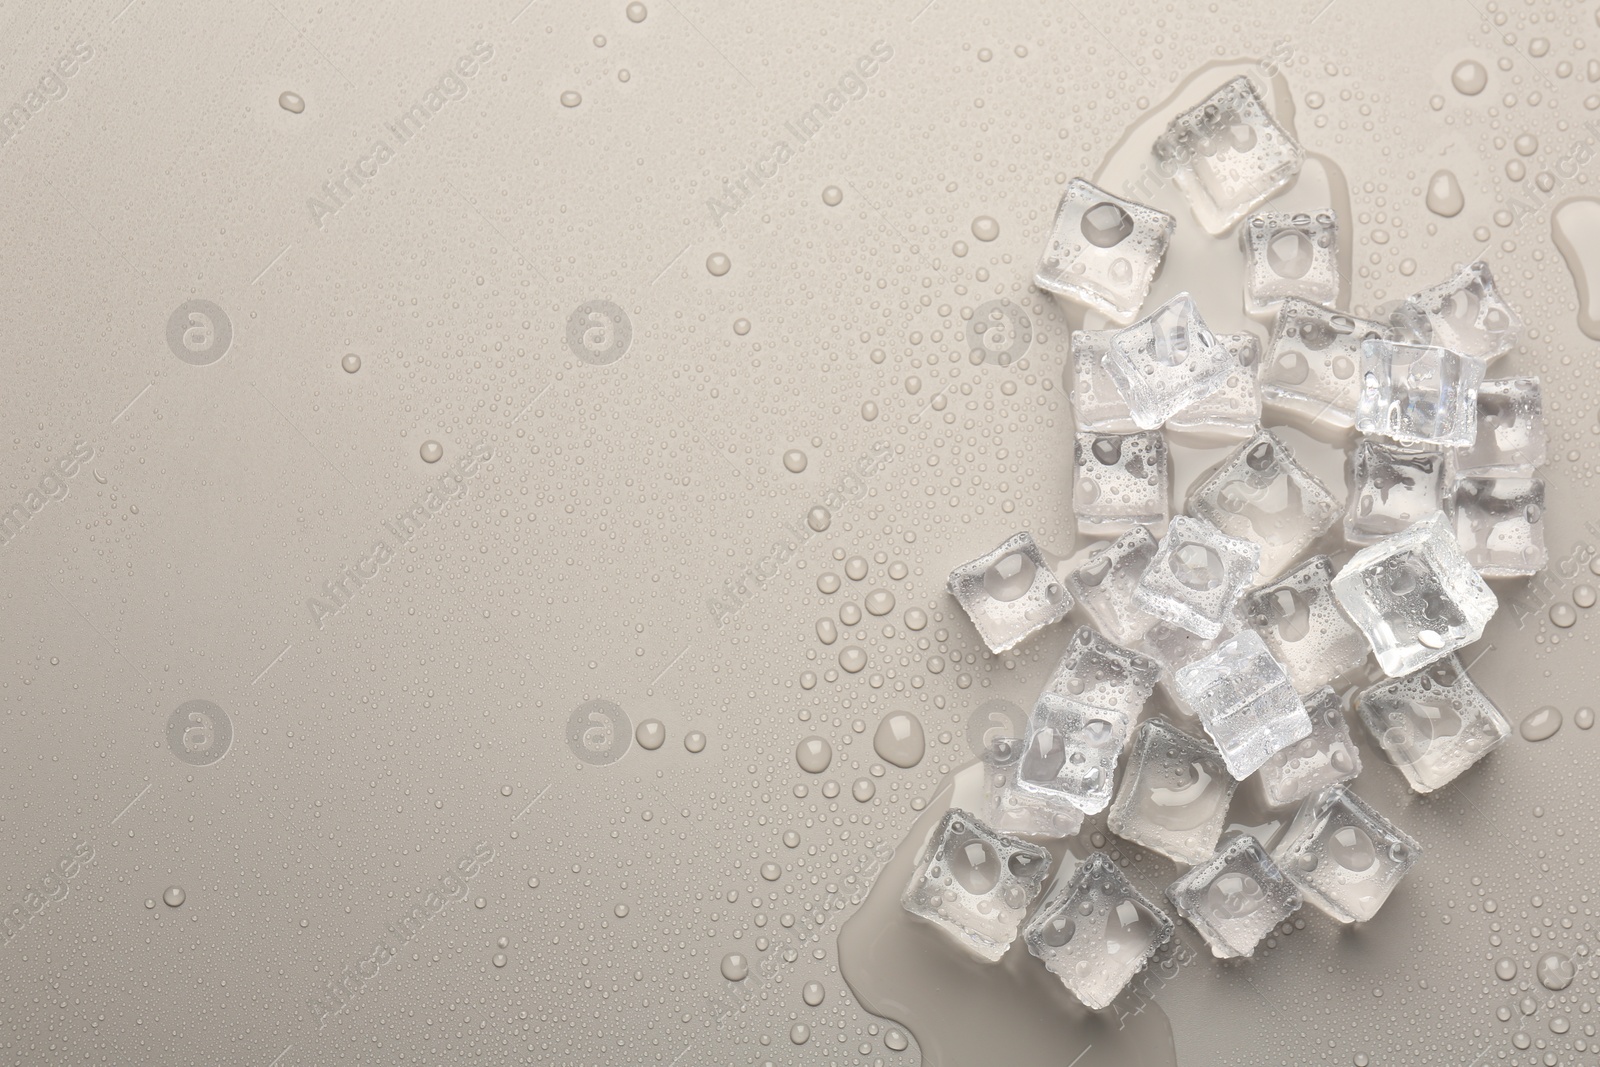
(446, 703)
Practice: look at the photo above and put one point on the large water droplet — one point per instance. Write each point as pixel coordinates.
(1197, 566)
(1010, 577)
(814, 754)
(1351, 848)
(1575, 226)
(1106, 225)
(899, 739)
(1444, 196)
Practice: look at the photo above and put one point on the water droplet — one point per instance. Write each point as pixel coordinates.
(735, 968)
(863, 789)
(694, 741)
(853, 659)
(1584, 596)
(431, 451)
(1470, 78)
(351, 363)
(770, 871)
(718, 264)
(571, 98)
(1584, 718)
(1105, 225)
(636, 12)
(1555, 970)
(1444, 197)
(173, 896)
(895, 1040)
(812, 993)
(899, 739)
(1351, 848)
(291, 102)
(1541, 724)
(855, 568)
(814, 754)
(880, 602)
(832, 195)
(827, 582)
(741, 326)
(985, 228)
(799, 1033)
(620, 911)
(1505, 969)
(819, 518)
(650, 734)
(869, 411)
(1575, 227)
(499, 959)
(1563, 615)
(1009, 577)
(916, 619)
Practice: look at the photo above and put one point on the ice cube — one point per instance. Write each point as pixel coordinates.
(1234, 410)
(1104, 585)
(1009, 809)
(1173, 647)
(1433, 724)
(1344, 856)
(1500, 524)
(1196, 576)
(1174, 795)
(1391, 487)
(975, 884)
(1261, 495)
(1120, 480)
(1103, 251)
(1095, 672)
(1511, 433)
(1010, 592)
(1227, 155)
(1415, 596)
(1166, 361)
(1290, 254)
(1465, 313)
(1304, 628)
(1245, 701)
(1326, 757)
(1072, 752)
(1096, 931)
(1418, 394)
(1313, 363)
(1235, 898)
(1096, 404)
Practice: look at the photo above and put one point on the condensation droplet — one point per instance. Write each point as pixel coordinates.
(1541, 724)
(431, 451)
(863, 789)
(985, 228)
(1563, 615)
(814, 754)
(718, 264)
(650, 734)
(833, 196)
(1470, 78)
(694, 741)
(291, 102)
(174, 896)
(735, 967)
(899, 739)
(812, 993)
(571, 98)
(819, 518)
(1583, 718)
(351, 363)
(636, 12)
(1445, 197)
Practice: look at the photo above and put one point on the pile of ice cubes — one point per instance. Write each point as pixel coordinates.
(1225, 647)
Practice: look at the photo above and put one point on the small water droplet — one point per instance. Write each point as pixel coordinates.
(431, 451)
(735, 967)
(571, 98)
(814, 754)
(650, 734)
(1444, 196)
(1563, 615)
(718, 264)
(174, 896)
(985, 228)
(499, 959)
(351, 363)
(291, 102)
(636, 12)
(812, 993)
(694, 741)
(1470, 78)
(832, 196)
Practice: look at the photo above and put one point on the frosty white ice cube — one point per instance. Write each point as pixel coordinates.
(1010, 592)
(1096, 931)
(1304, 628)
(1262, 495)
(975, 884)
(1227, 155)
(1103, 250)
(1072, 752)
(1511, 435)
(1104, 585)
(1432, 724)
(1096, 672)
(1174, 795)
(1345, 857)
(1196, 576)
(1120, 480)
(1312, 370)
(1391, 487)
(1500, 524)
(1245, 701)
(1096, 404)
(1323, 758)
(1235, 898)
(1290, 254)
(1464, 313)
(1415, 596)
(1418, 394)
(1011, 810)
(1234, 410)
(1166, 361)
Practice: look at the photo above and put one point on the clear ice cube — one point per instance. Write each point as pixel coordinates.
(1500, 524)
(1432, 724)
(1010, 592)
(1104, 585)
(1196, 576)
(1345, 857)
(1166, 361)
(1096, 404)
(1290, 254)
(1072, 752)
(1415, 596)
(1418, 394)
(1234, 410)
(1173, 647)
(1011, 810)
(1227, 155)
(1325, 757)
(1511, 433)
(1245, 701)
(1391, 487)
(1103, 250)
(975, 884)
(1096, 931)
(1096, 672)
(1304, 628)
(1174, 795)
(1465, 313)
(1313, 364)
(1120, 480)
(1235, 898)
(1262, 495)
